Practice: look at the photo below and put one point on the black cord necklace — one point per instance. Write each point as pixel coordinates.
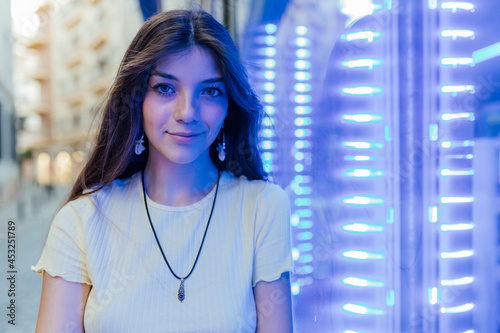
(180, 293)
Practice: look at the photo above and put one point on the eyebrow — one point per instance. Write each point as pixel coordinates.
(171, 77)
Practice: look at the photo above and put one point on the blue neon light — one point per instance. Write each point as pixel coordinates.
(302, 41)
(458, 116)
(450, 144)
(458, 309)
(299, 167)
(270, 40)
(269, 109)
(433, 295)
(302, 109)
(457, 227)
(362, 255)
(301, 133)
(304, 247)
(302, 76)
(433, 214)
(362, 144)
(363, 117)
(359, 158)
(457, 282)
(454, 90)
(267, 133)
(302, 87)
(302, 64)
(362, 282)
(270, 63)
(363, 173)
(267, 156)
(432, 4)
(448, 172)
(305, 225)
(271, 28)
(454, 5)
(301, 30)
(457, 61)
(302, 121)
(454, 34)
(363, 200)
(270, 51)
(269, 98)
(300, 144)
(295, 288)
(457, 254)
(362, 90)
(302, 202)
(267, 144)
(362, 309)
(303, 53)
(268, 121)
(359, 227)
(486, 53)
(306, 235)
(433, 132)
(269, 75)
(299, 156)
(302, 99)
(362, 63)
(448, 200)
(367, 35)
(269, 86)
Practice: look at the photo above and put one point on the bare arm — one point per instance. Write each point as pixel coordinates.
(274, 305)
(62, 305)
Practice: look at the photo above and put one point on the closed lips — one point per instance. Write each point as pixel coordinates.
(184, 134)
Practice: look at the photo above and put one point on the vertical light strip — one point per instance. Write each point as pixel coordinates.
(451, 169)
(363, 166)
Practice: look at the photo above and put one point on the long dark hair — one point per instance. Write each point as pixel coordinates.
(172, 32)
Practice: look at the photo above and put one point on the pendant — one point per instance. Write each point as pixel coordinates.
(180, 292)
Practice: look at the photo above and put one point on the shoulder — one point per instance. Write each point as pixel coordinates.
(258, 191)
(93, 201)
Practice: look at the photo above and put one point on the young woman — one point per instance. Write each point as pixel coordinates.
(171, 226)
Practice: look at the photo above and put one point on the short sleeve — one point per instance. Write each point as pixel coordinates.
(273, 254)
(64, 251)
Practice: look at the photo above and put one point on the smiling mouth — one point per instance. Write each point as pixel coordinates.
(184, 135)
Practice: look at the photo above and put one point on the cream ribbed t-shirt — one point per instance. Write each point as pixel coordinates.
(105, 240)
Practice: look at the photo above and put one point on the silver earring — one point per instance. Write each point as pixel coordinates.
(139, 147)
(221, 147)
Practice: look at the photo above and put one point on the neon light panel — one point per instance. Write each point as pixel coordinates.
(457, 61)
(457, 282)
(454, 5)
(457, 227)
(362, 282)
(362, 90)
(362, 227)
(362, 309)
(457, 254)
(362, 63)
(458, 116)
(458, 309)
(363, 117)
(454, 90)
(367, 35)
(454, 34)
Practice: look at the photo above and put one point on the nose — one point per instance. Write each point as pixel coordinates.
(186, 109)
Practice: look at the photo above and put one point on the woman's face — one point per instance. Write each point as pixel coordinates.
(184, 107)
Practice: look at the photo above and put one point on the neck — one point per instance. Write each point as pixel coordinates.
(179, 184)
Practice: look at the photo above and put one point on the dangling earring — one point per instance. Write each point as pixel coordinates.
(139, 147)
(221, 147)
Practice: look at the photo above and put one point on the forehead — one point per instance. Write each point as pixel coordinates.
(194, 63)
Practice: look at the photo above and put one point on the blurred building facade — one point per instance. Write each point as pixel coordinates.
(62, 73)
(8, 164)
(64, 69)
